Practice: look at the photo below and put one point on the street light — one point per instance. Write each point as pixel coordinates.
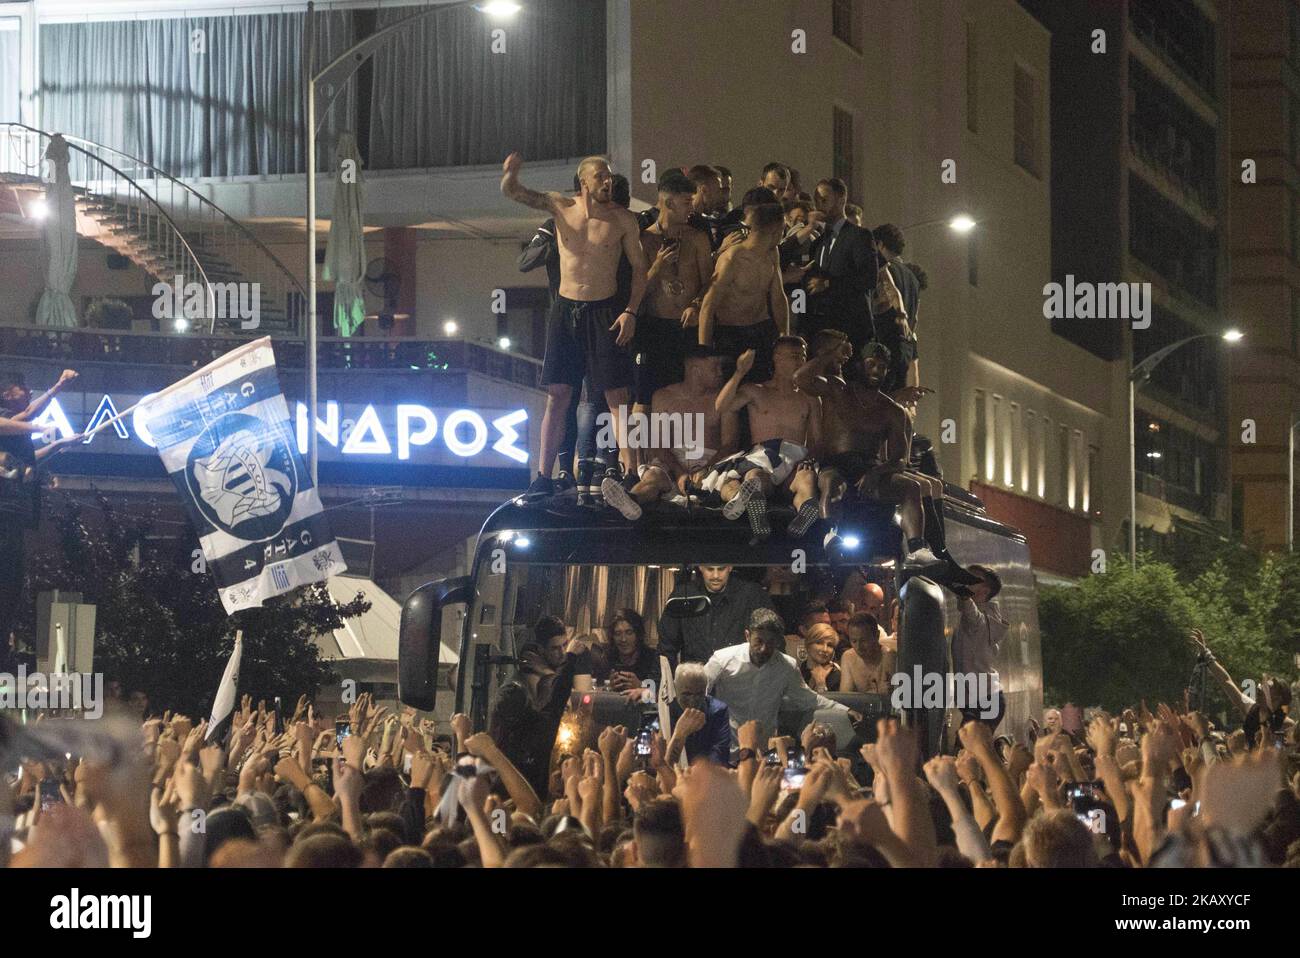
(960, 223)
(336, 75)
(1140, 373)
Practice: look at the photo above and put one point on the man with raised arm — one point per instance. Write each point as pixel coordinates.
(867, 440)
(745, 307)
(583, 334)
(785, 425)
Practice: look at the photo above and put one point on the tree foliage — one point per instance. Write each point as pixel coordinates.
(1120, 636)
(160, 627)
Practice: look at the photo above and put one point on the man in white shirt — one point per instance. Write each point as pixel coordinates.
(754, 679)
(975, 644)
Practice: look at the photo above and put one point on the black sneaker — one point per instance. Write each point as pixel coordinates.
(564, 483)
(540, 488)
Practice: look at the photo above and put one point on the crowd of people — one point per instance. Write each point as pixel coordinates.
(373, 789)
(782, 325)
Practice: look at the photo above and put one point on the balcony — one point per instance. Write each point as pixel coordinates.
(1180, 35)
(191, 351)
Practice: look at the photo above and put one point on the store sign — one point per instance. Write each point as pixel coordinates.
(402, 433)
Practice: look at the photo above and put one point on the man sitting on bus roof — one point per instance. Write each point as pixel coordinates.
(785, 425)
(754, 679)
(685, 435)
(867, 437)
(732, 600)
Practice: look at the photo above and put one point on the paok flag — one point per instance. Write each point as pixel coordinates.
(224, 437)
(223, 706)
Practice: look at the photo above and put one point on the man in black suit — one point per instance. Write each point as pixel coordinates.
(843, 278)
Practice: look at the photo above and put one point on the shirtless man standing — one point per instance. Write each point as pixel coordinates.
(745, 307)
(867, 441)
(673, 470)
(680, 264)
(785, 425)
(583, 336)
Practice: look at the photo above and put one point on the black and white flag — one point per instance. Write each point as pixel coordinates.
(223, 706)
(225, 439)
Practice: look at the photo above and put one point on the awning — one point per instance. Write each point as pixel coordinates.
(373, 635)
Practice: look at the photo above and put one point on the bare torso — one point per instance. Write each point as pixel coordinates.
(780, 414)
(719, 430)
(590, 246)
(858, 419)
(679, 282)
(746, 302)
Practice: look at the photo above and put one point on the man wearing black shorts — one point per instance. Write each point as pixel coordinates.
(680, 266)
(745, 307)
(586, 333)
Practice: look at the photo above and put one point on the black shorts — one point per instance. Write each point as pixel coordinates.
(734, 340)
(660, 347)
(579, 343)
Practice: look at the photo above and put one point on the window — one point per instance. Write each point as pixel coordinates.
(1011, 442)
(972, 83)
(842, 147)
(1026, 121)
(1044, 432)
(1030, 436)
(1065, 491)
(1092, 494)
(983, 447)
(844, 22)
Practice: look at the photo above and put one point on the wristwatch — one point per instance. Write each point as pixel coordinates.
(745, 754)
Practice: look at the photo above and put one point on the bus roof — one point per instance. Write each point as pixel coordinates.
(561, 531)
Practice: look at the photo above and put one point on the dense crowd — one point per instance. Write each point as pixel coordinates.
(371, 789)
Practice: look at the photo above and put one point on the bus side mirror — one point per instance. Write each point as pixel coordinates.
(687, 606)
(923, 648)
(420, 639)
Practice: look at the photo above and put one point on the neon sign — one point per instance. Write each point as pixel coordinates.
(404, 432)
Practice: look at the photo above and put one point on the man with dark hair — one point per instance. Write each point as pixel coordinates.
(845, 273)
(776, 177)
(975, 644)
(784, 425)
(707, 206)
(732, 600)
(895, 328)
(586, 333)
(840, 610)
(867, 438)
(659, 835)
(529, 708)
(724, 178)
(745, 307)
(680, 265)
(754, 679)
(19, 482)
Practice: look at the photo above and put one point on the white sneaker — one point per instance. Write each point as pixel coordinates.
(615, 495)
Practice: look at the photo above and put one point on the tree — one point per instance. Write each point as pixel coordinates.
(160, 626)
(1117, 637)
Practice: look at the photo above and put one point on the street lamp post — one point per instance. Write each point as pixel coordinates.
(1140, 373)
(336, 74)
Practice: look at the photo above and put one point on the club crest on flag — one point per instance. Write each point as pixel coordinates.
(242, 476)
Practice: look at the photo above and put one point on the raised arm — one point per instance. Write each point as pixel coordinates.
(814, 376)
(513, 189)
(1011, 813)
(734, 397)
(37, 405)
